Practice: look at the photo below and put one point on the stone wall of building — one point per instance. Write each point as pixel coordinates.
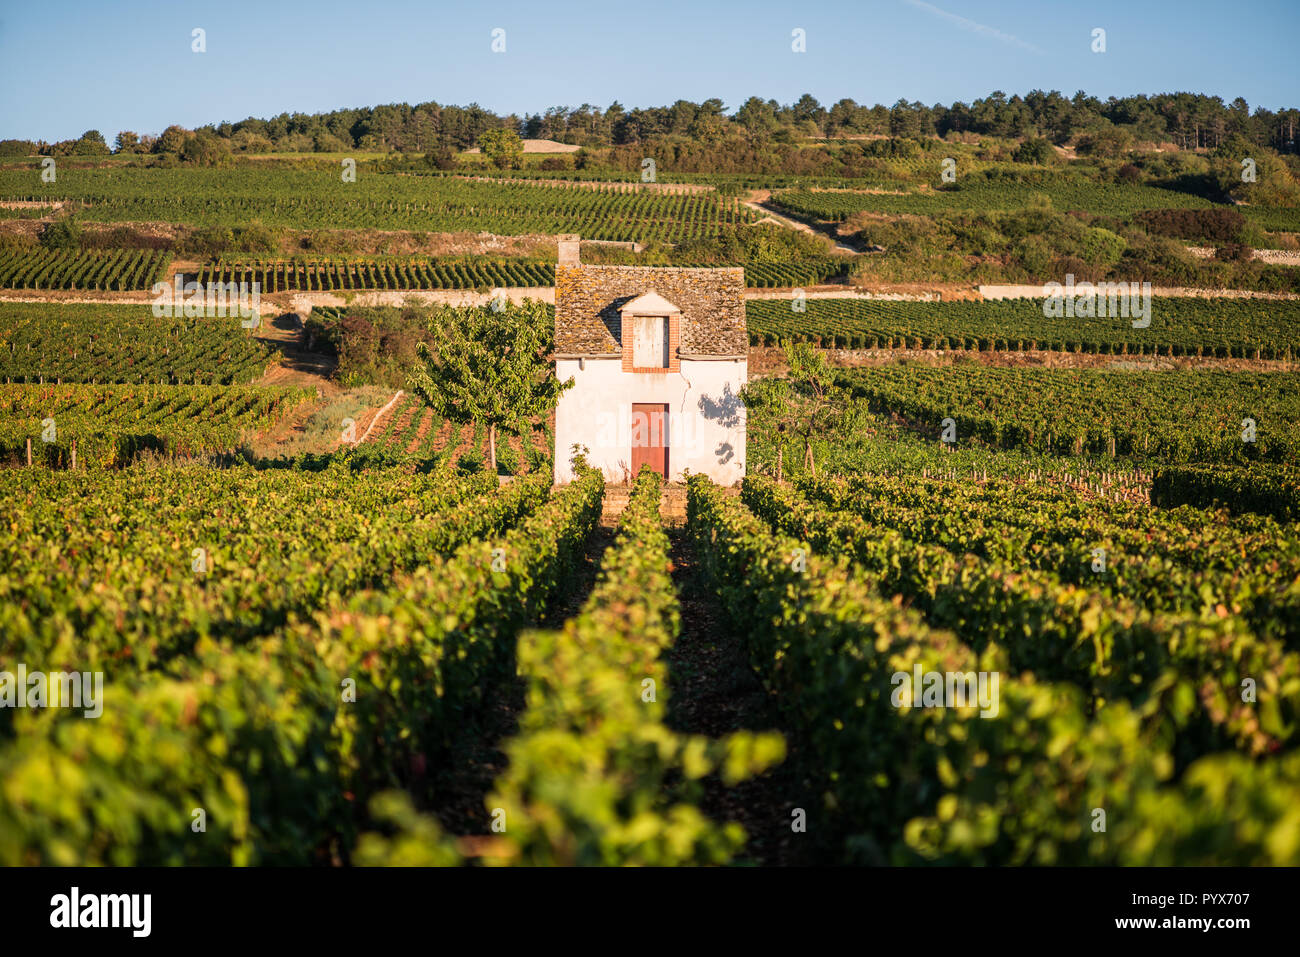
(705, 430)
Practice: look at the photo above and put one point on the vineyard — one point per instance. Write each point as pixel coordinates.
(1111, 679)
(422, 273)
(316, 652)
(1262, 488)
(116, 271)
(994, 589)
(768, 275)
(406, 273)
(413, 431)
(123, 344)
(1101, 560)
(668, 177)
(1274, 218)
(1119, 682)
(109, 425)
(1170, 416)
(229, 693)
(591, 772)
(305, 199)
(1178, 327)
(838, 206)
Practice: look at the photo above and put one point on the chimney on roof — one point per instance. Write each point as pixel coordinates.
(569, 246)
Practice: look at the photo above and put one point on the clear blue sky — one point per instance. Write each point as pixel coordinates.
(71, 65)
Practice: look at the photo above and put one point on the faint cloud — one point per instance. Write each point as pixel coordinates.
(972, 26)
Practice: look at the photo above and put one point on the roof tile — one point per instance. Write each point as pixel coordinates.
(588, 297)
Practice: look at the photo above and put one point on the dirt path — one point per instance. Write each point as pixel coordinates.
(286, 430)
(713, 691)
(458, 787)
(100, 297)
(30, 204)
(760, 202)
(293, 367)
(303, 430)
(455, 787)
(914, 292)
(297, 366)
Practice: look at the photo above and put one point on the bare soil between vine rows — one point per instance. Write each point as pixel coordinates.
(714, 691)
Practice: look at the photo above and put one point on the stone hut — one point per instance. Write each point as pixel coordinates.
(658, 357)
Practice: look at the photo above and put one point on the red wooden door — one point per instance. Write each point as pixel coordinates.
(650, 437)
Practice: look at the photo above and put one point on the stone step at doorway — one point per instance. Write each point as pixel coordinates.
(672, 504)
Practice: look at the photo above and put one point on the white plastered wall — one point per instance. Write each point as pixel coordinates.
(706, 420)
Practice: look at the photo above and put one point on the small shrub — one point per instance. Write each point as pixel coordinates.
(1234, 252)
(61, 234)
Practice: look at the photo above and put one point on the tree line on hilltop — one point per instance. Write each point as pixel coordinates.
(1186, 120)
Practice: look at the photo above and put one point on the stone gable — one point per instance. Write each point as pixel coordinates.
(587, 300)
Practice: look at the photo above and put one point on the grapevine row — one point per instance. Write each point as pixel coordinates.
(54, 343)
(114, 424)
(328, 275)
(908, 782)
(136, 534)
(588, 781)
(333, 274)
(1171, 562)
(306, 199)
(1111, 647)
(284, 743)
(117, 270)
(1178, 416)
(1266, 489)
(1178, 327)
